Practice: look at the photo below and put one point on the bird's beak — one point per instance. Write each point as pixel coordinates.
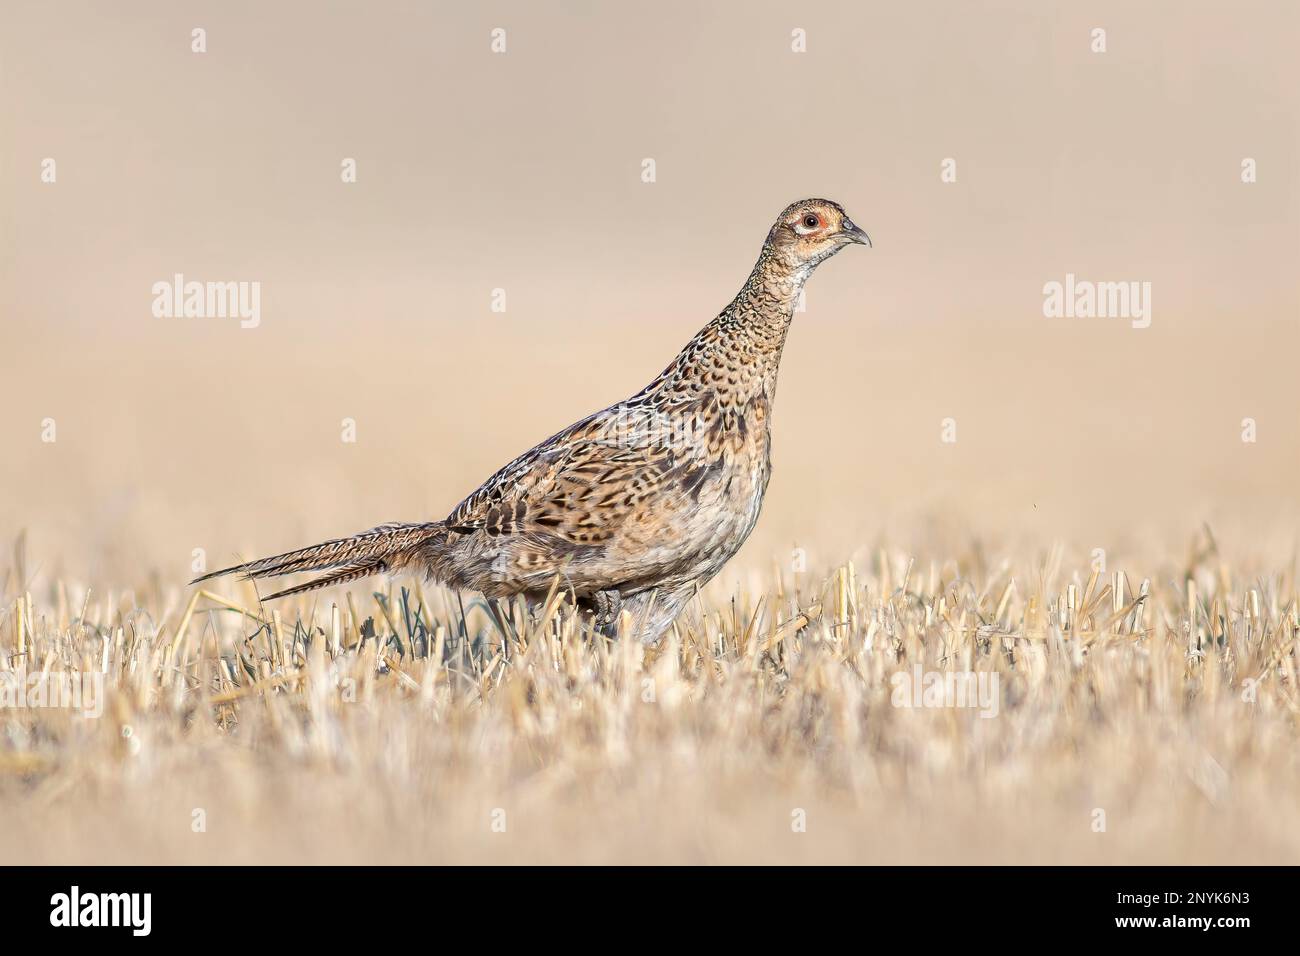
(855, 233)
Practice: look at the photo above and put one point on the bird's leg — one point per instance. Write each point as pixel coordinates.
(609, 605)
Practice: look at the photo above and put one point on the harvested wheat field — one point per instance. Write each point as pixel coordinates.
(1147, 715)
(1024, 584)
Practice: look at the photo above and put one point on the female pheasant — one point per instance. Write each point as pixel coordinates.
(635, 507)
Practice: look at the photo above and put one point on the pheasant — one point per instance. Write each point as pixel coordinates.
(633, 508)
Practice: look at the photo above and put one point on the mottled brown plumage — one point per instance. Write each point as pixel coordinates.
(635, 507)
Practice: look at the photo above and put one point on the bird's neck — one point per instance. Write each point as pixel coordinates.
(738, 354)
(763, 308)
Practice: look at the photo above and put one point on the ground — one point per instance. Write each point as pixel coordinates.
(778, 726)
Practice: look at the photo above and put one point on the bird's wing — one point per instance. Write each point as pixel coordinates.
(582, 486)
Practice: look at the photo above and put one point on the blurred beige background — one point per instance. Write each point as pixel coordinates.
(522, 171)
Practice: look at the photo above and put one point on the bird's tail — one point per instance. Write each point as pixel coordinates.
(385, 548)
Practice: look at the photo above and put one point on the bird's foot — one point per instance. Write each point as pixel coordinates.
(608, 606)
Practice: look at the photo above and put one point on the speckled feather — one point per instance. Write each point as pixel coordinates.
(645, 500)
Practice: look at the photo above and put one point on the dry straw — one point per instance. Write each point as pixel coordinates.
(391, 724)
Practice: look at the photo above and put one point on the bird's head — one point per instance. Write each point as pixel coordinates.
(812, 230)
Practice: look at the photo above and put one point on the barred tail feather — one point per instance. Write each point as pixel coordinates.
(342, 575)
(385, 548)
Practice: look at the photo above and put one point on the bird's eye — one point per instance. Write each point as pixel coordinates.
(809, 224)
